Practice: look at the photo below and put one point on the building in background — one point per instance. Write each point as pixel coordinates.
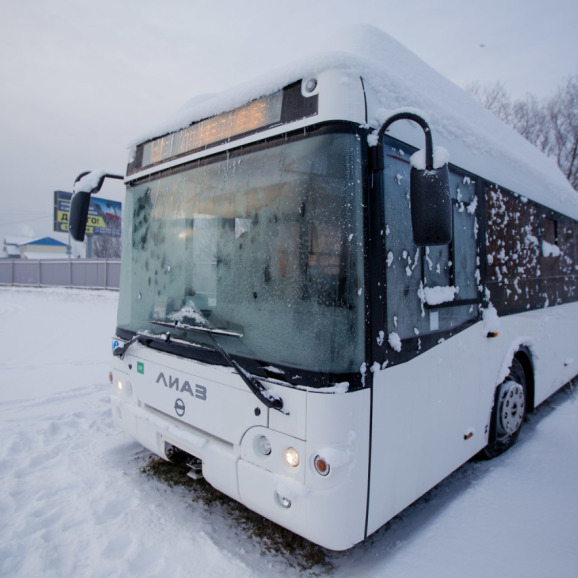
(45, 248)
(11, 246)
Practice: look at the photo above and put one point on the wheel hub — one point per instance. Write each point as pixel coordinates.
(512, 404)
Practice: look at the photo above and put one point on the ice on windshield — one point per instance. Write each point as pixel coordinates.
(268, 244)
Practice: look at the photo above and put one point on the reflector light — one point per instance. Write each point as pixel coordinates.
(285, 502)
(321, 466)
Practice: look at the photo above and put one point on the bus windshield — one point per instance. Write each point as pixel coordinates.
(265, 243)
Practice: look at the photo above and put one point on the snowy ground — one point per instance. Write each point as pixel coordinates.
(73, 501)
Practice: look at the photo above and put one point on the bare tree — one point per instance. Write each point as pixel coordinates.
(106, 247)
(551, 125)
(563, 113)
(530, 118)
(494, 97)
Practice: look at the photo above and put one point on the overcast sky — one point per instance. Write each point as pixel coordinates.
(81, 79)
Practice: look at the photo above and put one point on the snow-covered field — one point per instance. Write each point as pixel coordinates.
(73, 501)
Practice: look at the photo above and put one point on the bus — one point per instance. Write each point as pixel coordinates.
(339, 283)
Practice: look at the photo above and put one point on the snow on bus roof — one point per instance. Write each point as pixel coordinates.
(396, 78)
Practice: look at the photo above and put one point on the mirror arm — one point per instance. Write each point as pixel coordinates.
(80, 203)
(429, 188)
(422, 123)
(100, 181)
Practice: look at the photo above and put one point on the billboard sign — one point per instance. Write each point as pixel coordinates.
(104, 216)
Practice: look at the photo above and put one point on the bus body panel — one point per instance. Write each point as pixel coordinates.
(341, 96)
(549, 335)
(424, 410)
(328, 510)
(223, 431)
(211, 397)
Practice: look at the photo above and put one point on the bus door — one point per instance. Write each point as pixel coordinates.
(426, 415)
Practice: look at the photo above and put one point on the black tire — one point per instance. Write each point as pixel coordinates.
(508, 412)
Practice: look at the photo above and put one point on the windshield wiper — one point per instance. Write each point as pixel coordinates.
(197, 328)
(144, 336)
(141, 337)
(122, 349)
(265, 396)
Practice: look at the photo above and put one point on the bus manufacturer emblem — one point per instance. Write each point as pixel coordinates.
(180, 407)
(183, 386)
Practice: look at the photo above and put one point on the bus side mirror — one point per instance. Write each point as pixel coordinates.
(430, 195)
(79, 205)
(86, 184)
(431, 206)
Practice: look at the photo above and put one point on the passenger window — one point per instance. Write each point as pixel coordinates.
(465, 265)
(550, 238)
(429, 289)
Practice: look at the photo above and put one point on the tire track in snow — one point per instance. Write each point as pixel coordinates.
(74, 503)
(52, 470)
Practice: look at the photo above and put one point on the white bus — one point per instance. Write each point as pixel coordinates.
(323, 321)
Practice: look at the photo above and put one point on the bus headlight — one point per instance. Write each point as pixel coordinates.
(124, 388)
(292, 457)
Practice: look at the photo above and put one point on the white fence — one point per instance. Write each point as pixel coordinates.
(87, 274)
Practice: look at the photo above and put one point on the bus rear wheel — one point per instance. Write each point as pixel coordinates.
(508, 412)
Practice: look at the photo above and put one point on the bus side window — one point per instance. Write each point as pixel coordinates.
(429, 289)
(405, 316)
(465, 265)
(457, 286)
